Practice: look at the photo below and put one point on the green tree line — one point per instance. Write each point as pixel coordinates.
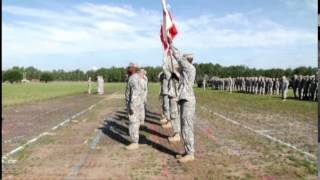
(118, 74)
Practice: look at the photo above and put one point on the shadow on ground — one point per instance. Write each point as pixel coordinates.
(116, 127)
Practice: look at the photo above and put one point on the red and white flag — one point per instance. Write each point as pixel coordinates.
(168, 30)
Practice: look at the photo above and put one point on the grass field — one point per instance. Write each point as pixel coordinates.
(13, 94)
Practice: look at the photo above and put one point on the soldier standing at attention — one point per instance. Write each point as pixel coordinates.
(277, 86)
(187, 101)
(230, 85)
(270, 86)
(285, 86)
(135, 104)
(164, 98)
(313, 87)
(89, 85)
(301, 85)
(295, 82)
(174, 109)
(144, 79)
(256, 85)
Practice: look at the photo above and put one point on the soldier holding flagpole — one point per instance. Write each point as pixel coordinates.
(185, 96)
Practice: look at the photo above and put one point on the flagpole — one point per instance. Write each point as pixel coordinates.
(171, 60)
(168, 52)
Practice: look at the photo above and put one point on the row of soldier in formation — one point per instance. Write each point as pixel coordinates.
(304, 87)
(177, 101)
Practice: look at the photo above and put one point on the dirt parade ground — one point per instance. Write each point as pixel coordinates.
(83, 137)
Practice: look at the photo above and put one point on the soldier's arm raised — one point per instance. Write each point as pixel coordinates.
(175, 52)
(182, 61)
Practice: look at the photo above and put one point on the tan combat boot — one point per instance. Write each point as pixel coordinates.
(132, 146)
(175, 138)
(186, 158)
(163, 120)
(167, 125)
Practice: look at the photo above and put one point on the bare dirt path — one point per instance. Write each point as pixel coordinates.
(22, 122)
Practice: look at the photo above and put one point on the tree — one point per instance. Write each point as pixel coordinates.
(3, 72)
(32, 73)
(12, 75)
(46, 77)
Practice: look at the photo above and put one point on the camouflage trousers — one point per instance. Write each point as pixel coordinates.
(165, 106)
(295, 92)
(134, 123)
(300, 93)
(284, 93)
(143, 113)
(175, 115)
(187, 111)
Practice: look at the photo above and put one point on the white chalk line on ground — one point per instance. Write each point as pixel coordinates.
(259, 132)
(76, 168)
(5, 157)
(47, 112)
(93, 145)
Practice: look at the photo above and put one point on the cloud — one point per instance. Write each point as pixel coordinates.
(301, 4)
(105, 10)
(240, 31)
(102, 28)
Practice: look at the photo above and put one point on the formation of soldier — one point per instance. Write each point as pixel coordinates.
(177, 100)
(304, 87)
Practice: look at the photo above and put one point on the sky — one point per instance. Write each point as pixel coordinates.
(77, 34)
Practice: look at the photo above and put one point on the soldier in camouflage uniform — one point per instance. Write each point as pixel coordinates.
(144, 80)
(174, 107)
(100, 82)
(262, 85)
(187, 101)
(313, 88)
(89, 85)
(269, 86)
(135, 104)
(230, 85)
(164, 98)
(256, 85)
(243, 84)
(285, 86)
(277, 87)
(295, 83)
(306, 88)
(300, 87)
